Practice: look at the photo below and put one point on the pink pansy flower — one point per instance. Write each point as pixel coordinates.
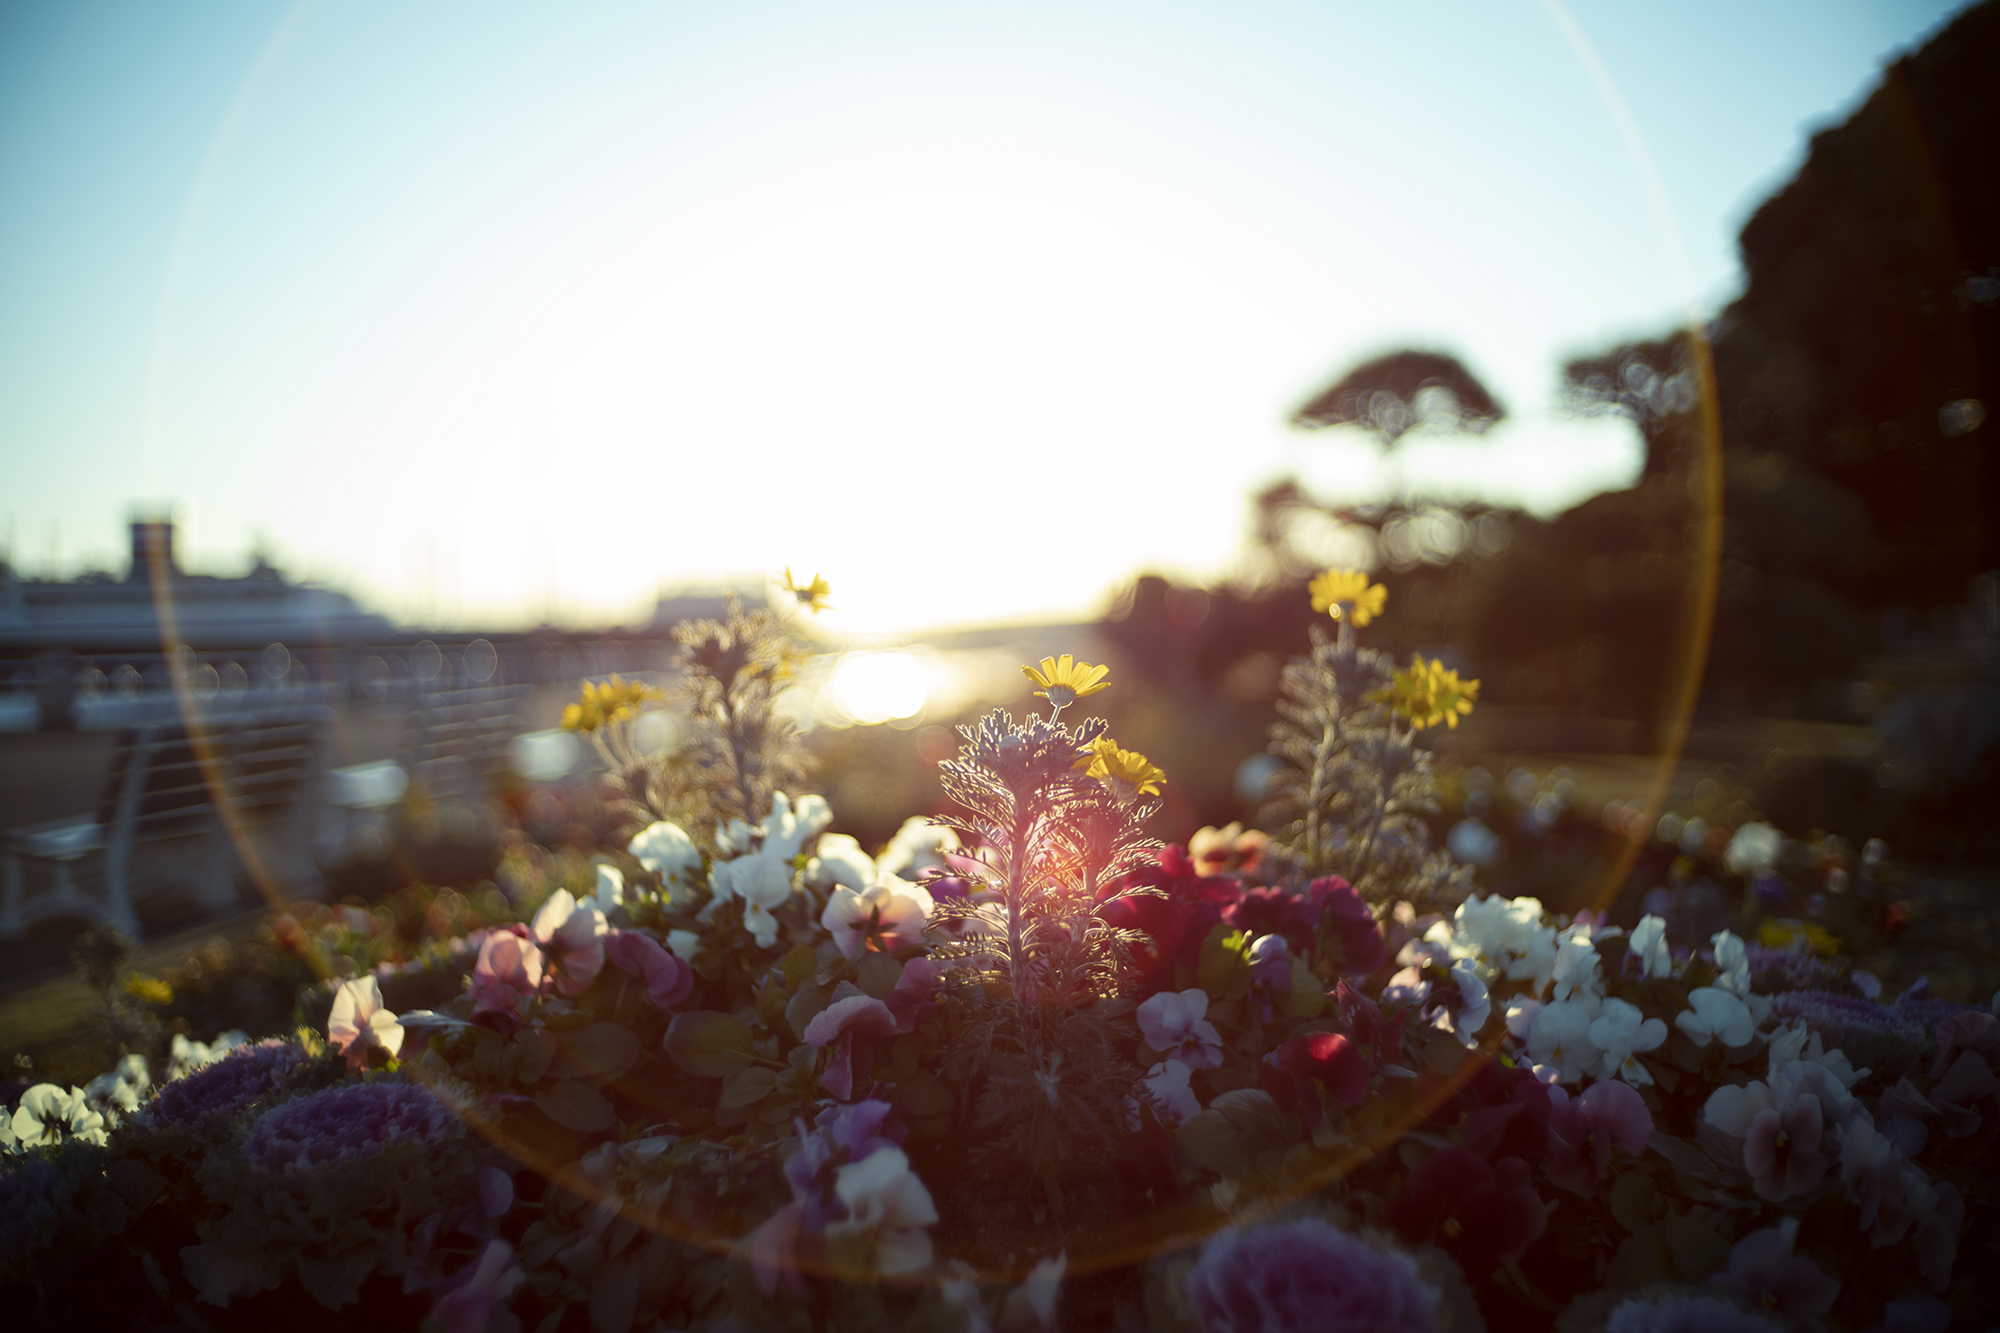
(478, 1302)
(769, 1249)
(669, 981)
(1168, 1089)
(888, 915)
(916, 991)
(1174, 1026)
(1764, 1273)
(573, 936)
(359, 1022)
(509, 970)
(1584, 1130)
(838, 1025)
(1781, 1148)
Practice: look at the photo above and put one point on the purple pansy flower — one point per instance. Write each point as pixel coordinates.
(1307, 1277)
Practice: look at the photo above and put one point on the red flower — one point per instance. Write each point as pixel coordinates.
(1347, 928)
(1505, 1112)
(1177, 923)
(1481, 1215)
(1273, 911)
(1380, 1039)
(1326, 1058)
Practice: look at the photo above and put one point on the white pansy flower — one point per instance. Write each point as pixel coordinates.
(1754, 848)
(918, 846)
(1731, 1109)
(358, 1022)
(839, 860)
(610, 891)
(47, 1114)
(1732, 963)
(123, 1088)
(1475, 1004)
(185, 1056)
(1577, 968)
(1716, 1014)
(1649, 945)
(789, 827)
(891, 912)
(763, 880)
(1559, 1043)
(684, 944)
(888, 1209)
(1521, 1017)
(1787, 1045)
(1796, 1045)
(1621, 1031)
(667, 851)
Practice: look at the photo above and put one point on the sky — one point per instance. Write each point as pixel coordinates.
(495, 312)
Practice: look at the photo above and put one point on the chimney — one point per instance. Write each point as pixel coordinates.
(151, 539)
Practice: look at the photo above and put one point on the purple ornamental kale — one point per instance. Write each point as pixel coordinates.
(226, 1086)
(1307, 1275)
(30, 1194)
(1776, 970)
(1845, 1021)
(341, 1124)
(1686, 1314)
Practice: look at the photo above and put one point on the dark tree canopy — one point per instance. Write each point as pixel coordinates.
(1866, 345)
(1404, 391)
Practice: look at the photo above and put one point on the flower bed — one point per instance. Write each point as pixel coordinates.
(1029, 1068)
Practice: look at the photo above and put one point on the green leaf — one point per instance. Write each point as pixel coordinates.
(771, 1002)
(1211, 1142)
(800, 964)
(1253, 1111)
(528, 1056)
(1698, 1247)
(1636, 1201)
(576, 1105)
(1640, 1262)
(903, 1055)
(746, 1087)
(614, 1296)
(1683, 1156)
(805, 1007)
(602, 1050)
(1223, 967)
(922, 1093)
(1308, 996)
(877, 974)
(1443, 1054)
(709, 1044)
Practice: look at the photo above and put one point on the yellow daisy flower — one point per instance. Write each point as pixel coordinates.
(1426, 694)
(811, 595)
(1063, 681)
(601, 702)
(150, 989)
(1349, 588)
(1790, 933)
(1127, 773)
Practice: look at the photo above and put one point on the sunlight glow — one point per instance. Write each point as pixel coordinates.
(871, 688)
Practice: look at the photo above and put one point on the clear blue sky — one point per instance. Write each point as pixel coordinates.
(492, 310)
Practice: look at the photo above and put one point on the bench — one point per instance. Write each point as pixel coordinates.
(178, 810)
